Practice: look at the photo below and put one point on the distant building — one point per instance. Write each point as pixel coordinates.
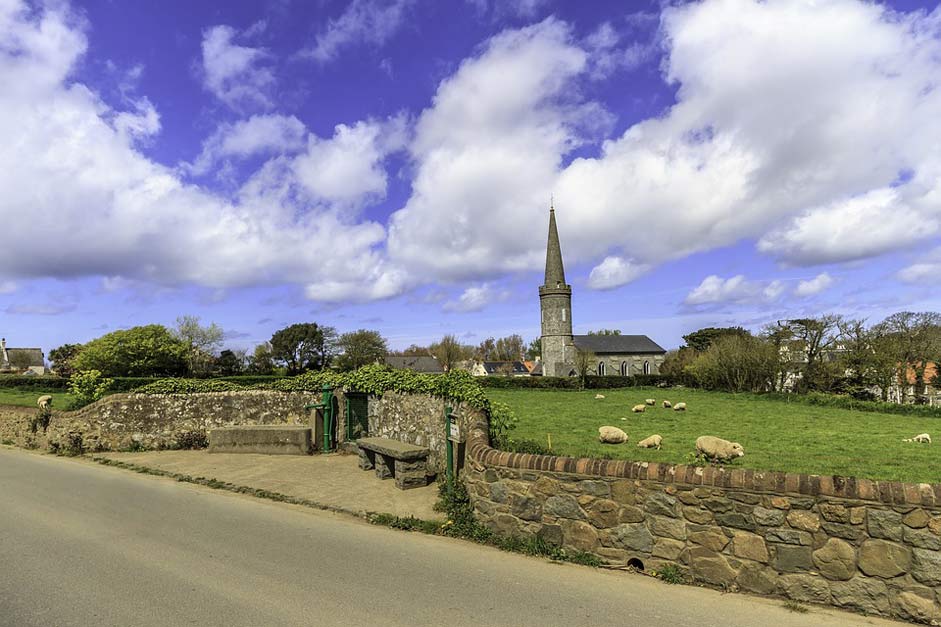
(26, 360)
(617, 354)
(418, 363)
(504, 368)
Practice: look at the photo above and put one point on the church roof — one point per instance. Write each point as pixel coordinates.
(555, 273)
(620, 344)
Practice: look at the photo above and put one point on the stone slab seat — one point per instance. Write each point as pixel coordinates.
(406, 463)
(264, 439)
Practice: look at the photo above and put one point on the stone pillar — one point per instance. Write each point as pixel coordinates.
(366, 459)
(410, 474)
(382, 466)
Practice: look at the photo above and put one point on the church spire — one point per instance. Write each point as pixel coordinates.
(555, 273)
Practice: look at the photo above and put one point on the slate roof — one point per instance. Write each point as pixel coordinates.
(418, 363)
(494, 367)
(24, 357)
(618, 344)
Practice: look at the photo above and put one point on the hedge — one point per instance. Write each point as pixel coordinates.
(37, 382)
(848, 402)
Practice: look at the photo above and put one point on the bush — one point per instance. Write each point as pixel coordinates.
(46, 382)
(848, 402)
(87, 386)
(188, 386)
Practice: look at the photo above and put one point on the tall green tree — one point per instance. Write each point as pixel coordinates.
(300, 347)
(61, 359)
(449, 352)
(230, 363)
(203, 343)
(360, 348)
(144, 351)
(534, 349)
(703, 338)
(262, 359)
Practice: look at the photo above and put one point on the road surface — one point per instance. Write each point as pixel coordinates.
(82, 544)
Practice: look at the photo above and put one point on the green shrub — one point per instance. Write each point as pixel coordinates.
(46, 382)
(188, 386)
(671, 574)
(41, 419)
(848, 402)
(87, 386)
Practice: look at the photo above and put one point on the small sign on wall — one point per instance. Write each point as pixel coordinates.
(455, 435)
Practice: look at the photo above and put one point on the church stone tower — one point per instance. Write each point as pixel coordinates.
(555, 301)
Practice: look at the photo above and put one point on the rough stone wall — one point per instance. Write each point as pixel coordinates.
(417, 419)
(868, 546)
(125, 421)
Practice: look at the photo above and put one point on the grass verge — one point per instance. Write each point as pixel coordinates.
(26, 397)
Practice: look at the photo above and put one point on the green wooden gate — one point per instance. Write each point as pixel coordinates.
(357, 416)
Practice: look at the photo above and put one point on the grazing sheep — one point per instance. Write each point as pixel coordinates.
(667, 405)
(611, 435)
(653, 441)
(44, 402)
(651, 401)
(639, 409)
(599, 396)
(923, 438)
(718, 449)
(679, 407)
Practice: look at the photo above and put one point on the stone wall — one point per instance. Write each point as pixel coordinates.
(125, 421)
(868, 546)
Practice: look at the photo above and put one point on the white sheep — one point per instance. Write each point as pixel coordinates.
(639, 409)
(599, 396)
(679, 407)
(718, 449)
(651, 401)
(611, 435)
(667, 405)
(653, 441)
(44, 402)
(923, 438)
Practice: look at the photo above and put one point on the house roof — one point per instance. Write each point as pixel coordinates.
(23, 357)
(620, 344)
(496, 367)
(931, 371)
(418, 363)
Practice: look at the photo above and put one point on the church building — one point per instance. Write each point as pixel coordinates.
(623, 355)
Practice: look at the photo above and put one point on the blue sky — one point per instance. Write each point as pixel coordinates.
(388, 164)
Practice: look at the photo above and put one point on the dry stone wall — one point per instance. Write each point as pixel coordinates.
(126, 421)
(868, 546)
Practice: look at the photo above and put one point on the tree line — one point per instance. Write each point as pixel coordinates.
(829, 353)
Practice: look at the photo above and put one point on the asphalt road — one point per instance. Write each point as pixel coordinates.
(82, 544)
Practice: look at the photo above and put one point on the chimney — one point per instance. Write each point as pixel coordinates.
(4, 358)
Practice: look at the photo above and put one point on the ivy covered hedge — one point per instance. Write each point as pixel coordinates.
(188, 386)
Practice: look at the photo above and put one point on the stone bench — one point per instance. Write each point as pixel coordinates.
(265, 439)
(406, 463)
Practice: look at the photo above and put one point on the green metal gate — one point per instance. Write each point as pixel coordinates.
(357, 416)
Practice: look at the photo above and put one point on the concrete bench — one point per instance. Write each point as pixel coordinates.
(406, 463)
(265, 439)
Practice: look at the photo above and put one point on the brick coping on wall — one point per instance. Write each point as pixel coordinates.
(887, 492)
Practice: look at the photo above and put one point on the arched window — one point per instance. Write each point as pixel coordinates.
(624, 368)
(646, 367)
(601, 371)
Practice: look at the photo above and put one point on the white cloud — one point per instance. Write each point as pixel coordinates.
(737, 289)
(614, 272)
(926, 270)
(474, 298)
(487, 153)
(70, 164)
(814, 286)
(364, 21)
(786, 129)
(347, 168)
(511, 8)
(854, 228)
(236, 74)
(265, 134)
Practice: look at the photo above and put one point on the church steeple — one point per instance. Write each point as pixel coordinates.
(555, 272)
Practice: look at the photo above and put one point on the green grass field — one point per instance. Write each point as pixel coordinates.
(776, 435)
(27, 397)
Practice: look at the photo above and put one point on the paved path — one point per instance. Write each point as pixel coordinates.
(332, 480)
(83, 544)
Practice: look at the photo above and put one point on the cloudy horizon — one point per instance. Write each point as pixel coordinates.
(389, 164)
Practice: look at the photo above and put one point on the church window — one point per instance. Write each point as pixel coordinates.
(624, 368)
(646, 367)
(601, 370)
(563, 315)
